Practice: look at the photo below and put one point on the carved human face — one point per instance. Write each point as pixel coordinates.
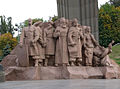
(63, 23)
(29, 22)
(88, 30)
(75, 22)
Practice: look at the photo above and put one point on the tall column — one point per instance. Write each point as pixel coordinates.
(86, 11)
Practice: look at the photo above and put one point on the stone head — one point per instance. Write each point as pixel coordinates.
(50, 24)
(87, 30)
(63, 22)
(29, 21)
(75, 22)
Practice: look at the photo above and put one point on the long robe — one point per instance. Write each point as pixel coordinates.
(50, 42)
(61, 53)
(28, 35)
(74, 37)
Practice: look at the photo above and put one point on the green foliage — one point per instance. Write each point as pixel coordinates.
(25, 23)
(109, 24)
(6, 50)
(116, 3)
(54, 18)
(6, 25)
(7, 39)
(115, 52)
(1, 55)
(115, 55)
(7, 43)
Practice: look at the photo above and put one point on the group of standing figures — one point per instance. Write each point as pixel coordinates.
(63, 42)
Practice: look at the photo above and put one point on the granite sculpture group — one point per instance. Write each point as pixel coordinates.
(65, 41)
(59, 50)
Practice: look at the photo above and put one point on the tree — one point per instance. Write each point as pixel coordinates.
(6, 50)
(10, 27)
(54, 18)
(6, 25)
(116, 3)
(7, 44)
(7, 39)
(109, 24)
(25, 23)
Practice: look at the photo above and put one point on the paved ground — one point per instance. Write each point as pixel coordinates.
(62, 84)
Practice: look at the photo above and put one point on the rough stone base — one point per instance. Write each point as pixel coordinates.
(50, 73)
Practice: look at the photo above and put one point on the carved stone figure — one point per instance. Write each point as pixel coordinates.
(49, 42)
(75, 37)
(29, 37)
(61, 55)
(101, 57)
(42, 26)
(89, 44)
(58, 43)
(40, 43)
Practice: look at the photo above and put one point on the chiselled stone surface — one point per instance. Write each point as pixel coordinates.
(9, 60)
(111, 72)
(77, 73)
(51, 73)
(73, 49)
(65, 41)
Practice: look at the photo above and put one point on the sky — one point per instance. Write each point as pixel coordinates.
(21, 10)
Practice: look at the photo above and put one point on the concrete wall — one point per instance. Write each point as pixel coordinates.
(86, 11)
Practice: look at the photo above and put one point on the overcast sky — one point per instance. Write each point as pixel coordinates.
(21, 10)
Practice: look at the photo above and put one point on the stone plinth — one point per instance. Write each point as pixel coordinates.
(51, 73)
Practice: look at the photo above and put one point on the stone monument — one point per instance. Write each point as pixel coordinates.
(86, 11)
(63, 49)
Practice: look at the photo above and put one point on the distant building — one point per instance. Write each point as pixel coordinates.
(86, 11)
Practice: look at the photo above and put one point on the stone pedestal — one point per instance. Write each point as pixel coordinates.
(51, 73)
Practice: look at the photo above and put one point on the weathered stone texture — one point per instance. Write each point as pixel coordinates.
(51, 73)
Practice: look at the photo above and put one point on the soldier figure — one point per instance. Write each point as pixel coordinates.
(49, 43)
(75, 38)
(89, 44)
(29, 37)
(61, 55)
(40, 43)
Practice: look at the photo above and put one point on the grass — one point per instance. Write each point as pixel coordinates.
(115, 55)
